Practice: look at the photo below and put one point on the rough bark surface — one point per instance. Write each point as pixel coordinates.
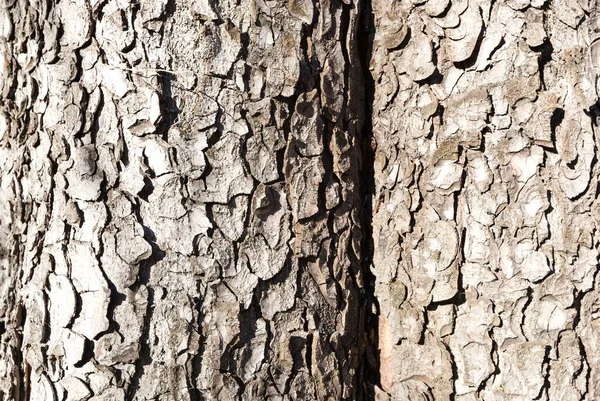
(180, 202)
(485, 211)
(332, 200)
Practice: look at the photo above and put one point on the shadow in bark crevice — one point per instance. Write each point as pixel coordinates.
(369, 369)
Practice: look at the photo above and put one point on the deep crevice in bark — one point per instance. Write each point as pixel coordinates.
(369, 374)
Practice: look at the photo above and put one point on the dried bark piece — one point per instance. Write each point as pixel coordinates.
(547, 317)
(570, 13)
(78, 29)
(266, 247)
(442, 242)
(566, 374)
(111, 349)
(451, 19)
(67, 344)
(75, 388)
(477, 242)
(204, 9)
(490, 43)
(534, 264)
(156, 152)
(416, 369)
(124, 346)
(535, 33)
(115, 80)
(248, 359)
(468, 113)
(446, 175)
(595, 53)
(111, 394)
(219, 47)
(115, 31)
(546, 107)
(332, 83)
(522, 369)
(153, 10)
(434, 256)
(435, 8)
(471, 347)
(576, 146)
(306, 177)
(394, 29)
(92, 288)
(41, 388)
(405, 323)
(228, 171)
(131, 245)
(480, 173)
(261, 148)
(62, 300)
(83, 178)
(418, 57)
(583, 268)
(193, 222)
(518, 5)
(35, 307)
(302, 9)
(462, 40)
(590, 306)
(525, 163)
(307, 125)
(189, 151)
(120, 273)
(230, 218)
(280, 296)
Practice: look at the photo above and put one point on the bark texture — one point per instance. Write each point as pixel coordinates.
(485, 210)
(332, 200)
(180, 200)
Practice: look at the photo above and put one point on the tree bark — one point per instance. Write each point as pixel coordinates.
(333, 200)
(485, 209)
(182, 196)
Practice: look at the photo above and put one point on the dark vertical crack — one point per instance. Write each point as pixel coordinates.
(524, 310)
(144, 276)
(545, 56)
(369, 369)
(195, 364)
(544, 390)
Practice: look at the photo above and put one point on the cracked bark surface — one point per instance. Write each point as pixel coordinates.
(180, 200)
(333, 200)
(485, 210)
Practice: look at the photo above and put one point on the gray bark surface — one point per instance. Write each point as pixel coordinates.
(180, 200)
(332, 200)
(485, 206)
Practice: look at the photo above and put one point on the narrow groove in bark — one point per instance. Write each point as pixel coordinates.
(369, 374)
(144, 358)
(196, 361)
(546, 367)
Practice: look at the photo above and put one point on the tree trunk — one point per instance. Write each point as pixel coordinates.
(333, 200)
(485, 210)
